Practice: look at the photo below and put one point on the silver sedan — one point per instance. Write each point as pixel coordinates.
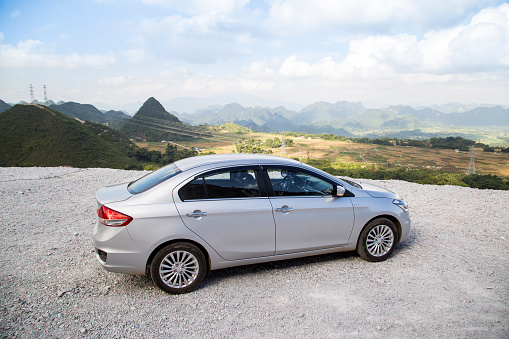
(211, 212)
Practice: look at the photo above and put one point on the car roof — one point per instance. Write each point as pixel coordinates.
(232, 159)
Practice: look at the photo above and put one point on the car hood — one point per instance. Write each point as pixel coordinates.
(113, 193)
(379, 192)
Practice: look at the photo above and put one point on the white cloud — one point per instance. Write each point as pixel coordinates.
(15, 13)
(259, 70)
(293, 68)
(28, 54)
(134, 56)
(194, 7)
(115, 81)
(481, 45)
(2, 37)
(198, 39)
(485, 42)
(297, 16)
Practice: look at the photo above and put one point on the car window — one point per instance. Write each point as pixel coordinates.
(193, 190)
(150, 180)
(222, 185)
(294, 183)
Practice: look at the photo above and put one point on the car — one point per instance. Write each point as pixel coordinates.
(210, 212)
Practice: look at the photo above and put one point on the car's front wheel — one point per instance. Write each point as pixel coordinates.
(377, 240)
(178, 268)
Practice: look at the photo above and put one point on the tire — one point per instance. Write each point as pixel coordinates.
(377, 240)
(178, 268)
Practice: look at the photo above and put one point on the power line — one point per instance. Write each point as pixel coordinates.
(175, 130)
(161, 124)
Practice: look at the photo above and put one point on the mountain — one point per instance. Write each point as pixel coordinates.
(35, 135)
(479, 116)
(424, 114)
(320, 112)
(153, 123)
(257, 118)
(454, 107)
(90, 113)
(190, 104)
(320, 117)
(4, 106)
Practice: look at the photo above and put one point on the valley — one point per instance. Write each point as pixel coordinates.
(338, 151)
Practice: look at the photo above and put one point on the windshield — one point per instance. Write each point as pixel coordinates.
(150, 180)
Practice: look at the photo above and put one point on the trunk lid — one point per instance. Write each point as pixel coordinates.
(113, 193)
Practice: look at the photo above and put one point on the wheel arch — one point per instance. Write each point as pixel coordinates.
(173, 241)
(391, 218)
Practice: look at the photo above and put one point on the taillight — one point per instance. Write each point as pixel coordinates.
(109, 217)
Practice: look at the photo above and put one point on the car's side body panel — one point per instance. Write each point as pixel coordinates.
(236, 228)
(366, 209)
(312, 223)
(239, 231)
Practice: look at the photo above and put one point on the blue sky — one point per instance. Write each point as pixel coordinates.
(378, 52)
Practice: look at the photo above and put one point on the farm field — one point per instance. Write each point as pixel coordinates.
(359, 153)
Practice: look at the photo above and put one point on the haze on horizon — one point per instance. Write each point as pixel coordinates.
(277, 51)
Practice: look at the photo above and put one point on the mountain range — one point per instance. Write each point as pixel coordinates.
(341, 118)
(345, 118)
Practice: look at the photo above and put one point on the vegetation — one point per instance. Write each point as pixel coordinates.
(33, 135)
(90, 113)
(232, 128)
(253, 146)
(458, 143)
(153, 159)
(421, 175)
(259, 146)
(486, 181)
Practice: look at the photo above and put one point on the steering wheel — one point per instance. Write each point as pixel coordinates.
(291, 183)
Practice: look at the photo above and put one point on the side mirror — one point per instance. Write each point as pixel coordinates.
(340, 191)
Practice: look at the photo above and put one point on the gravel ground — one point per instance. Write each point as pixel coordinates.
(450, 279)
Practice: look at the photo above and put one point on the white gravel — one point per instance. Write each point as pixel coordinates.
(449, 280)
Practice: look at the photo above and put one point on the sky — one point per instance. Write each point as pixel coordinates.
(272, 52)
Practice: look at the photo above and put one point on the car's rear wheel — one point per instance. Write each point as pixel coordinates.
(178, 268)
(377, 240)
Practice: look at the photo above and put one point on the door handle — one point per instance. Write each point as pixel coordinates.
(284, 209)
(197, 214)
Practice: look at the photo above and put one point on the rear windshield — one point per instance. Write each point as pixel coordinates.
(150, 180)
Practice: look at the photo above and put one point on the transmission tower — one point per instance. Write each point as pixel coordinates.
(31, 94)
(45, 97)
(471, 165)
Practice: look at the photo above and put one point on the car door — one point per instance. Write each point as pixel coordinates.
(230, 212)
(307, 216)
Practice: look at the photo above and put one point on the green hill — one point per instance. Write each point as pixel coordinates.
(153, 123)
(90, 113)
(4, 106)
(34, 135)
